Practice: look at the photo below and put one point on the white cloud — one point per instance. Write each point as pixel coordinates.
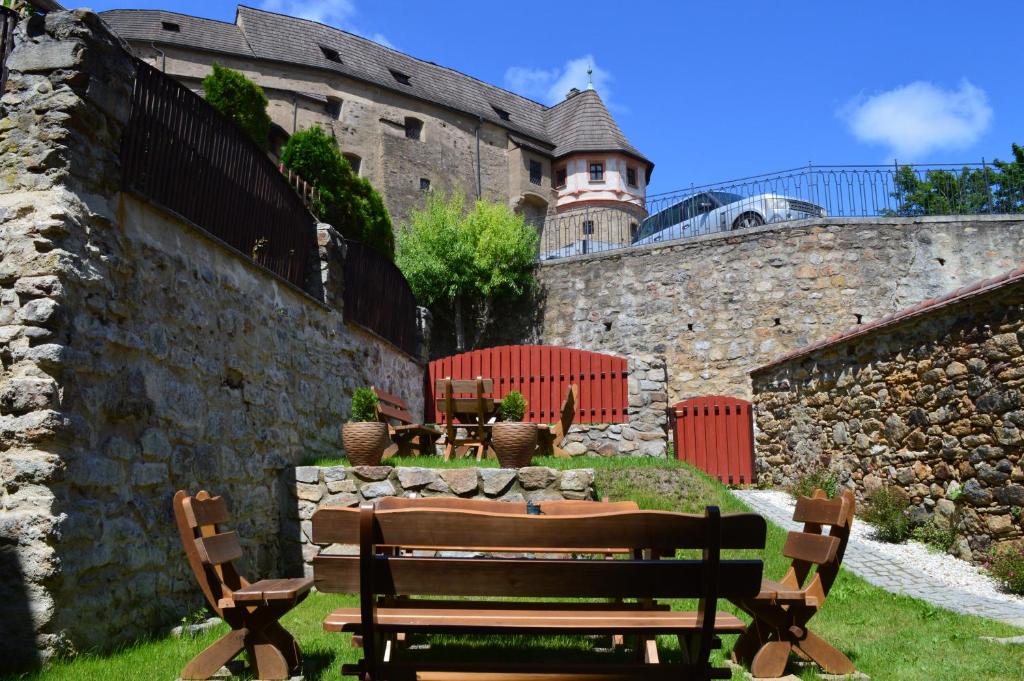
(921, 117)
(337, 13)
(551, 85)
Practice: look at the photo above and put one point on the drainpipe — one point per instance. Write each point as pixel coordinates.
(479, 192)
(295, 114)
(163, 57)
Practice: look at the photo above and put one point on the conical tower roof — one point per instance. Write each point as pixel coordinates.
(582, 123)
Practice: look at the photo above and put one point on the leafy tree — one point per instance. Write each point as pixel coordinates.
(241, 100)
(459, 262)
(1009, 193)
(347, 201)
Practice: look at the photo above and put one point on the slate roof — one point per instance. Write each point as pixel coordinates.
(960, 295)
(275, 37)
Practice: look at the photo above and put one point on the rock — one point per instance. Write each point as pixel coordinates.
(382, 488)
(575, 449)
(307, 474)
(334, 474)
(371, 473)
(872, 483)
(414, 478)
(496, 480)
(577, 480)
(1011, 495)
(461, 480)
(309, 492)
(155, 444)
(990, 475)
(536, 477)
(150, 474)
(22, 395)
(336, 486)
(955, 370)
(999, 525)
(343, 499)
(975, 494)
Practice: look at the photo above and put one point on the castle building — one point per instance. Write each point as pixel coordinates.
(407, 125)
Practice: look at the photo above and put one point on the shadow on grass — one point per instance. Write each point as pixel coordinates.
(17, 631)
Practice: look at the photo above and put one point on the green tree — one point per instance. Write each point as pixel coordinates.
(1009, 191)
(347, 201)
(241, 100)
(460, 262)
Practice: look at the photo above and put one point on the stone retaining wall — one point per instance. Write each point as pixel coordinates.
(933, 405)
(314, 487)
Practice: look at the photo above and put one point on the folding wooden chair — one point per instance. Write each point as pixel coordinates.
(251, 610)
(781, 610)
(549, 440)
(469, 413)
(405, 433)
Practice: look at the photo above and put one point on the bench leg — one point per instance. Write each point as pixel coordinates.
(285, 642)
(825, 654)
(770, 661)
(266, 659)
(747, 645)
(207, 663)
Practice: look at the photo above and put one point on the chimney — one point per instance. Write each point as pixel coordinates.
(572, 93)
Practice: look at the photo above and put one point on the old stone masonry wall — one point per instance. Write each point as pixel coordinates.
(138, 357)
(933, 405)
(315, 487)
(717, 307)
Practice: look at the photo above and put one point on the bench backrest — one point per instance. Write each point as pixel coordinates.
(210, 550)
(554, 507)
(474, 386)
(392, 407)
(809, 547)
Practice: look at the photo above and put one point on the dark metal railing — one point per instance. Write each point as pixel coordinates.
(800, 193)
(378, 297)
(8, 20)
(180, 153)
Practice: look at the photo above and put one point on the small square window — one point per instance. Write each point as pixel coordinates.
(424, 184)
(634, 229)
(560, 176)
(588, 226)
(413, 128)
(597, 172)
(330, 54)
(354, 162)
(536, 172)
(334, 108)
(631, 176)
(400, 77)
(171, 26)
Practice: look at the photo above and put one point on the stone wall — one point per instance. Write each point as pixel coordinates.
(716, 307)
(314, 487)
(932, 404)
(138, 357)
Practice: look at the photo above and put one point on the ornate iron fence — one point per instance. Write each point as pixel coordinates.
(800, 193)
(8, 20)
(377, 296)
(180, 153)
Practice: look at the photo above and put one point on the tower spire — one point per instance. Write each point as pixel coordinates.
(590, 77)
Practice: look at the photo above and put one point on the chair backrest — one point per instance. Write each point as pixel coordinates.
(809, 547)
(567, 414)
(209, 549)
(392, 407)
(478, 405)
(474, 386)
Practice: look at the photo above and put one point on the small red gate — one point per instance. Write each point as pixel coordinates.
(715, 434)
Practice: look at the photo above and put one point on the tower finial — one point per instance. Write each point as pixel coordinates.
(590, 77)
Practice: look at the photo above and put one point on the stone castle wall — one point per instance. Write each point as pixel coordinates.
(138, 357)
(933, 405)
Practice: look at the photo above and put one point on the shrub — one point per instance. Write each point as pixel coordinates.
(818, 477)
(1006, 565)
(888, 509)
(364, 406)
(935, 535)
(348, 202)
(241, 100)
(513, 406)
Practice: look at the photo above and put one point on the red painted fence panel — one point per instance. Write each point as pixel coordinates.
(542, 373)
(715, 434)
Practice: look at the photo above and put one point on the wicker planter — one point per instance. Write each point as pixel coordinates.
(514, 443)
(364, 442)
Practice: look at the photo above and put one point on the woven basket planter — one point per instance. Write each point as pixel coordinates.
(514, 443)
(364, 442)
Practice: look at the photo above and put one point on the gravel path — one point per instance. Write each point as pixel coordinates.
(909, 568)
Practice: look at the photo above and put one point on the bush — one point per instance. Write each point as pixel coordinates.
(364, 406)
(935, 535)
(513, 406)
(241, 100)
(888, 509)
(348, 202)
(1006, 565)
(818, 477)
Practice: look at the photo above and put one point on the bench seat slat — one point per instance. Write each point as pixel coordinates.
(508, 620)
(273, 590)
(536, 671)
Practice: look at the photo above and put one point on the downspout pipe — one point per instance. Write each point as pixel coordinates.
(163, 57)
(479, 190)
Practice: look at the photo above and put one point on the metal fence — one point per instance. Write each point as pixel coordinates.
(180, 153)
(8, 20)
(800, 193)
(377, 296)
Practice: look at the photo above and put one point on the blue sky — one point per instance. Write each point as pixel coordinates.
(714, 91)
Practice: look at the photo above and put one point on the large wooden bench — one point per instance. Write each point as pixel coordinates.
(379, 574)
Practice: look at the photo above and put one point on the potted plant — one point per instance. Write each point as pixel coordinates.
(514, 442)
(364, 437)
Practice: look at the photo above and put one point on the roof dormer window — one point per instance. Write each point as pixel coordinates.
(502, 114)
(170, 26)
(330, 54)
(400, 77)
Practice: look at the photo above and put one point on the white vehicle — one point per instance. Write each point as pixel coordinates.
(709, 212)
(580, 247)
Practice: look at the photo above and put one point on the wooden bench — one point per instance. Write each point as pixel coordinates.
(378, 574)
(251, 610)
(782, 609)
(405, 432)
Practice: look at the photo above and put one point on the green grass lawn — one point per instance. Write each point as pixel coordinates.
(887, 636)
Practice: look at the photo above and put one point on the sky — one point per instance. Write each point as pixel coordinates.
(714, 91)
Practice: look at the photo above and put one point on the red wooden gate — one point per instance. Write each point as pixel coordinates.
(715, 434)
(542, 373)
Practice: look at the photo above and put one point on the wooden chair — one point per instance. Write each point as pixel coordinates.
(380, 572)
(251, 610)
(550, 439)
(781, 610)
(469, 413)
(402, 427)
